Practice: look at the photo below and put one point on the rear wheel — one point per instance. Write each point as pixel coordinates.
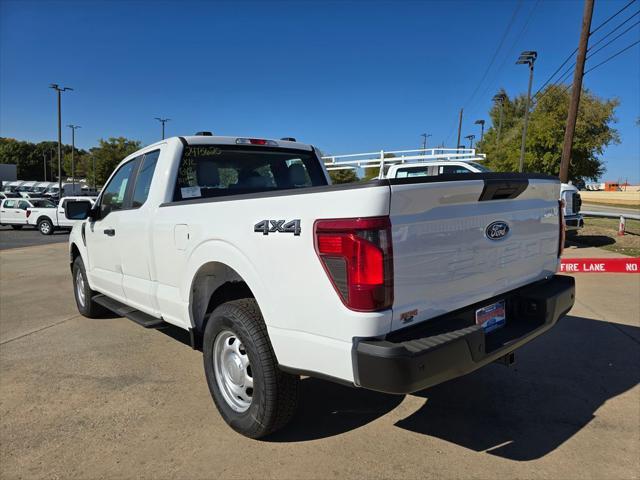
(45, 226)
(82, 292)
(16, 227)
(252, 394)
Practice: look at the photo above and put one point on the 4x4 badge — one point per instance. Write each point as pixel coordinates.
(272, 226)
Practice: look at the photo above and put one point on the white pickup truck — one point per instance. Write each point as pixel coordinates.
(16, 211)
(392, 285)
(48, 217)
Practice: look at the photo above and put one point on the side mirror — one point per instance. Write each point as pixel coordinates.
(78, 210)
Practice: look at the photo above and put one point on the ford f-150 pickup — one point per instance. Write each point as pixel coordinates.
(393, 284)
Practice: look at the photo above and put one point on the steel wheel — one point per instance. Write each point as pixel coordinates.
(80, 288)
(233, 371)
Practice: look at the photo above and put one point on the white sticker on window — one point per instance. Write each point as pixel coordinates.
(123, 190)
(190, 192)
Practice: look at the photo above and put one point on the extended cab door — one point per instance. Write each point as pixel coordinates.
(105, 263)
(134, 239)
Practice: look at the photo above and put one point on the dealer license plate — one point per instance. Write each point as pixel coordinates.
(491, 317)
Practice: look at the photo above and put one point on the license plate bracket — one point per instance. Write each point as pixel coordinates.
(492, 317)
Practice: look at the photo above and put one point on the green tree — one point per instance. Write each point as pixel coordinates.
(343, 176)
(30, 158)
(545, 134)
(107, 156)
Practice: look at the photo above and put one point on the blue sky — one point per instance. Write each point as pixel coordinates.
(345, 76)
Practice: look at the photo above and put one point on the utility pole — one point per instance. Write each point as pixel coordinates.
(44, 162)
(500, 97)
(470, 138)
(73, 148)
(162, 121)
(59, 90)
(526, 58)
(575, 91)
(459, 128)
(424, 141)
(93, 157)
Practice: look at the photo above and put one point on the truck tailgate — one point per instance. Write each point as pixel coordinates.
(444, 258)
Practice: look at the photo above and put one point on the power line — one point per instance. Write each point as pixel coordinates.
(557, 70)
(613, 39)
(612, 56)
(612, 31)
(612, 17)
(497, 50)
(570, 56)
(509, 55)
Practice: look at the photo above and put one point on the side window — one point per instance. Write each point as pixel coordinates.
(413, 172)
(63, 204)
(10, 204)
(114, 192)
(448, 169)
(22, 205)
(143, 179)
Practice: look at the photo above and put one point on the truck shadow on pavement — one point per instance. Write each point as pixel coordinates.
(521, 413)
(554, 390)
(584, 241)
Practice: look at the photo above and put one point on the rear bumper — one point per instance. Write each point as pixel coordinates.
(574, 222)
(452, 345)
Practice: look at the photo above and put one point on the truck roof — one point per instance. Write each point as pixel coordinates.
(226, 140)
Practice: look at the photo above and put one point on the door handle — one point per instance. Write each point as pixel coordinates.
(110, 232)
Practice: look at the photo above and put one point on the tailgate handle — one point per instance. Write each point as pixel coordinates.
(497, 189)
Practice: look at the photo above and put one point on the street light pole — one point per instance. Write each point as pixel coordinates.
(470, 138)
(526, 58)
(500, 97)
(73, 148)
(44, 163)
(162, 121)
(59, 91)
(481, 123)
(424, 141)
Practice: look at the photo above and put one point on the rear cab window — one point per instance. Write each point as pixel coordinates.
(223, 170)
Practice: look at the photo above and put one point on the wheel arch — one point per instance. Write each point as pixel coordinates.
(214, 284)
(44, 217)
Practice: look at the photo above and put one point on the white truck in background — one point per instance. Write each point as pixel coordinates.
(433, 162)
(393, 285)
(48, 217)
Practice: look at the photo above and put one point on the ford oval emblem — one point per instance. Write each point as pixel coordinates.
(497, 230)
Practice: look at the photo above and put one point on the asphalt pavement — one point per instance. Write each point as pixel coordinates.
(29, 236)
(106, 398)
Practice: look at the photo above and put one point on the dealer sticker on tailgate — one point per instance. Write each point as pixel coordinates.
(491, 317)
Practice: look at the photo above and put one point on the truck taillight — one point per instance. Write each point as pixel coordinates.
(562, 227)
(28, 213)
(356, 253)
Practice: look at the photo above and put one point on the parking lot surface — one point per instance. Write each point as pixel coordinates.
(28, 236)
(106, 398)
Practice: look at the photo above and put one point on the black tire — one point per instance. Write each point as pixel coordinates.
(275, 393)
(16, 227)
(88, 307)
(45, 226)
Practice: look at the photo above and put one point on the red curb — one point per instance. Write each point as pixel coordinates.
(600, 265)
